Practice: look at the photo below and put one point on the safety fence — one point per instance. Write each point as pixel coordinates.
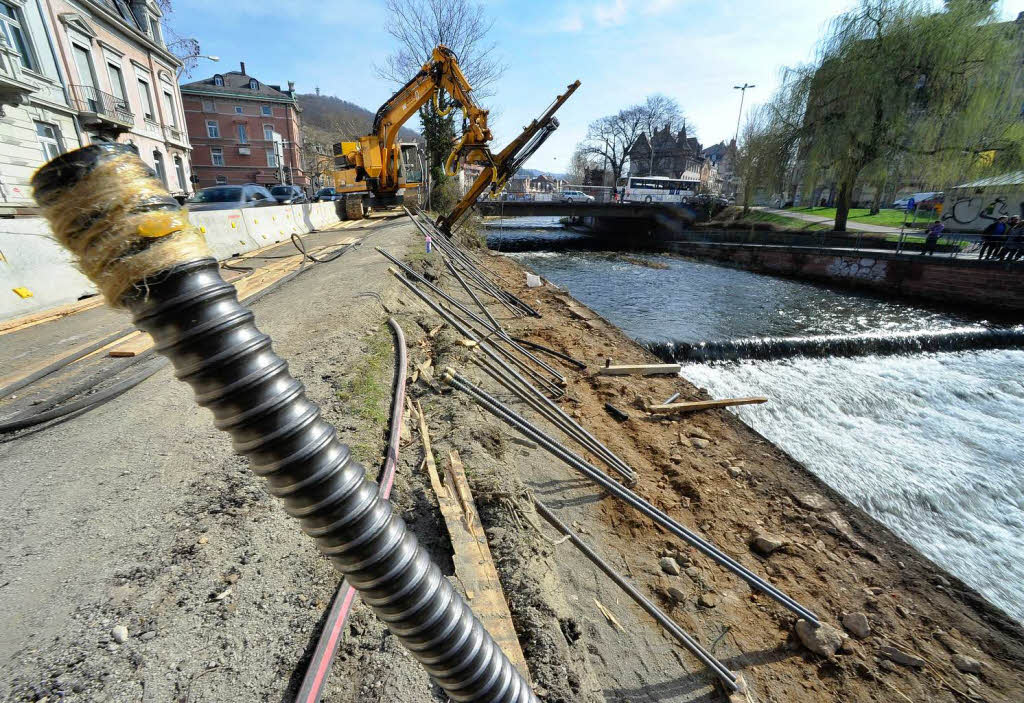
(36, 273)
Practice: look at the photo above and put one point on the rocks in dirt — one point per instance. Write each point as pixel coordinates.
(765, 543)
(700, 442)
(708, 600)
(675, 594)
(670, 566)
(857, 624)
(523, 442)
(823, 640)
(900, 657)
(119, 633)
(735, 472)
(966, 665)
(698, 433)
(811, 501)
(693, 572)
(676, 459)
(147, 636)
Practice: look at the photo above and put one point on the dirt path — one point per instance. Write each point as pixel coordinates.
(137, 514)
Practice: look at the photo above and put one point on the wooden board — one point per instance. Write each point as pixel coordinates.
(132, 345)
(704, 405)
(474, 567)
(640, 370)
(20, 323)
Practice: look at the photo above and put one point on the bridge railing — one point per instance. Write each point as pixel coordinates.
(911, 241)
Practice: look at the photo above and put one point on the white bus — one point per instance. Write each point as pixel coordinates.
(657, 189)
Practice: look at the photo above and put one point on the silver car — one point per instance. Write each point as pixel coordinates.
(230, 198)
(576, 196)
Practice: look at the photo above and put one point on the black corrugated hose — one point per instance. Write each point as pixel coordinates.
(197, 322)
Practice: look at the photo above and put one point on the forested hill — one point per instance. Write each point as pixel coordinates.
(329, 119)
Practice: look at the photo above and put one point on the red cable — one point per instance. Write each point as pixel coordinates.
(327, 645)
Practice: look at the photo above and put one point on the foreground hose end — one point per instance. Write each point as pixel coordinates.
(133, 240)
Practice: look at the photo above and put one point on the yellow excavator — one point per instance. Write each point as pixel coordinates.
(375, 170)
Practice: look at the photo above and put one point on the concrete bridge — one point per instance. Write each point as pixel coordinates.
(626, 211)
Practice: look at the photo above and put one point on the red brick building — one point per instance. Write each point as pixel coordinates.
(243, 131)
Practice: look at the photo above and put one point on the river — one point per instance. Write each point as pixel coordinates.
(931, 443)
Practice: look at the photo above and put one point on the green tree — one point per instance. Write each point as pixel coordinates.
(895, 80)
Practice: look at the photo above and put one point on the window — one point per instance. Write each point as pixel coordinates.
(243, 134)
(12, 33)
(147, 100)
(158, 162)
(217, 156)
(265, 110)
(83, 62)
(221, 180)
(268, 132)
(271, 158)
(218, 80)
(117, 84)
(238, 110)
(208, 106)
(212, 129)
(179, 171)
(170, 114)
(49, 139)
(254, 84)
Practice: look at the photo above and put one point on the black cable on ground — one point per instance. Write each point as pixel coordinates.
(24, 420)
(61, 363)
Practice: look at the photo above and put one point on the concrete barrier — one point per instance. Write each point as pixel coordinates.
(225, 232)
(36, 273)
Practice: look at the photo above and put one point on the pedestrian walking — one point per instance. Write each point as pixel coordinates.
(1014, 247)
(992, 238)
(931, 239)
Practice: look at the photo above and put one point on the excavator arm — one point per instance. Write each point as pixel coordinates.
(505, 164)
(442, 73)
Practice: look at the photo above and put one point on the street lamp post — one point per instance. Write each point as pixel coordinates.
(743, 95)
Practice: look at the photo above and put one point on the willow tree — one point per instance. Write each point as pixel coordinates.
(895, 80)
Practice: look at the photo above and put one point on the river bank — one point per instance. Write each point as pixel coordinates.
(221, 594)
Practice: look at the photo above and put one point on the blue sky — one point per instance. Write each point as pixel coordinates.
(621, 50)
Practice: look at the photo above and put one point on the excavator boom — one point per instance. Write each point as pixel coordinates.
(505, 164)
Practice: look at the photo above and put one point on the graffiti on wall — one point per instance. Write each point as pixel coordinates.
(866, 269)
(977, 212)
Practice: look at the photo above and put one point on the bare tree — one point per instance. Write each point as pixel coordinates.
(461, 25)
(610, 138)
(659, 111)
(185, 48)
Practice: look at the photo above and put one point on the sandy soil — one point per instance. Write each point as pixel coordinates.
(137, 514)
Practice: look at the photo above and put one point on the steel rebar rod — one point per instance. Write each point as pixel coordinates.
(554, 389)
(486, 348)
(727, 678)
(547, 350)
(496, 408)
(625, 471)
(498, 328)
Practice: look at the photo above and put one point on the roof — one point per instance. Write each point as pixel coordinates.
(1013, 178)
(236, 84)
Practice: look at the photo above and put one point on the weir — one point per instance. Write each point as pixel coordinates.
(771, 348)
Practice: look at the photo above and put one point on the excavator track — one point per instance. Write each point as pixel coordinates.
(354, 208)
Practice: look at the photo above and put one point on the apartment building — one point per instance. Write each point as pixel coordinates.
(37, 121)
(75, 72)
(244, 131)
(122, 80)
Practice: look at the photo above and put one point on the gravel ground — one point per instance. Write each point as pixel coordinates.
(137, 516)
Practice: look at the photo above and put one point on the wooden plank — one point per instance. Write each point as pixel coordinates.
(640, 370)
(474, 566)
(695, 405)
(132, 345)
(20, 323)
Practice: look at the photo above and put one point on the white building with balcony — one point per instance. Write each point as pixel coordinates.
(122, 80)
(37, 121)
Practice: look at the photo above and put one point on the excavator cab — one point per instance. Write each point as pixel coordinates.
(411, 169)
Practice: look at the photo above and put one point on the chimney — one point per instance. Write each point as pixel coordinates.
(243, 67)
(291, 86)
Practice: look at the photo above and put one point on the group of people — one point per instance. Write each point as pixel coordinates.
(1003, 240)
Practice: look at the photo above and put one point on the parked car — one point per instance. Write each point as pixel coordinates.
(327, 194)
(923, 201)
(576, 196)
(230, 198)
(289, 195)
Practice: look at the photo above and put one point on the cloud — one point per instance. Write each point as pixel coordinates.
(611, 15)
(571, 22)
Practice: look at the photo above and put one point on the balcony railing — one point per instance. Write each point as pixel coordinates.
(96, 106)
(173, 134)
